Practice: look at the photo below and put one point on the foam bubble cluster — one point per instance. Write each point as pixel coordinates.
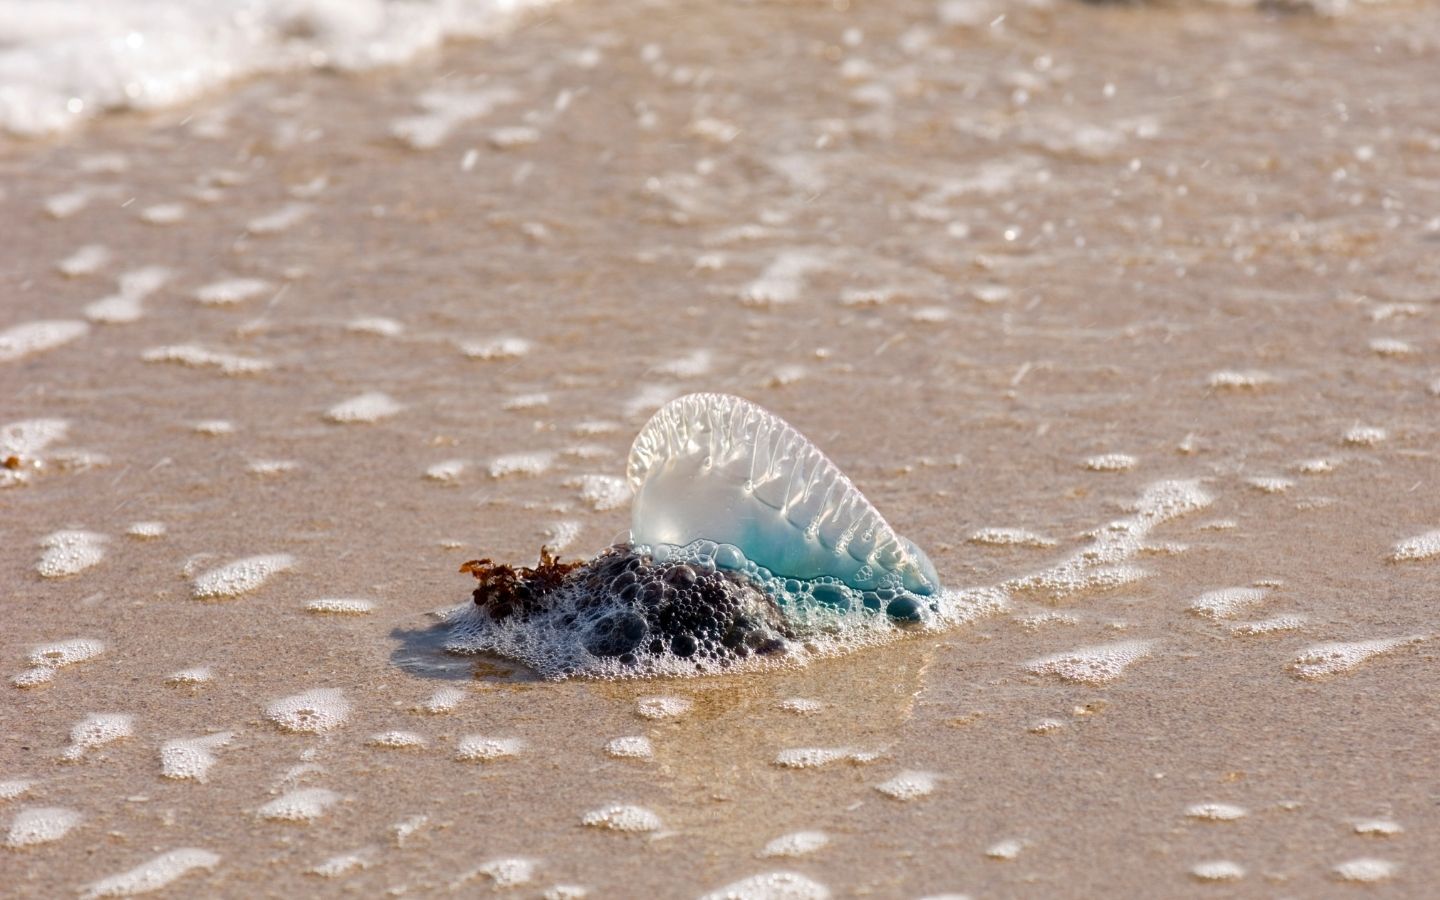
(1104, 563)
(1423, 546)
(97, 730)
(302, 806)
(620, 817)
(908, 786)
(1215, 812)
(478, 748)
(154, 874)
(798, 843)
(364, 409)
(20, 341)
(313, 712)
(240, 577)
(772, 886)
(192, 758)
(340, 606)
(1093, 665)
(1365, 870)
(45, 659)
(1226, 602)
(70, 553)
(631, 747)
(1342, 656)
(41, 825)
(1217, 870)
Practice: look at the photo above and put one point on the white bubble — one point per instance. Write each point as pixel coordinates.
(1226, 602)
(497, 348)
(1010, 537)
(1392, 347)
(213, 427)
(526, 401)
(908, 786)
(164, 214)
(232, 291)
(691, 365)
(815, 757)
(447, 472)
(772, 886)
(1093, 665)
(1247, 380)
(70, 553)
(1217, 870)
(283, 219)
(633, 747)
(87, 260)
(662, 707)
(192, 758)
(562, 534)
(199, 357)
(565, 892)
(1111, 462)
(397, 740)
(801, 706)
(239, 577)
(15, 787)
(478, 748)
(1365, 870)
(406, 829)
(376, 325)
(343, 864)
(1005, 850)
(22, 340)
(591, 428)
(797, 843)
(505, 873)
(197, 675)
(146, 531)
(1102, 565)
(1365, 436)
(313, 712)
(1270, 484)
(783, 280)
(271, 467)
(340, 606)
(444, 700)
(1378, 827)
(529, 464)
(97, 730)
(304, 805)
(1422, 546)
(41, 825)
(65, 653)
(602, 492)
(1321, 660)
(1215, 812)
(153, 875)
(619, 817)
(366, 408)
(1272, 625)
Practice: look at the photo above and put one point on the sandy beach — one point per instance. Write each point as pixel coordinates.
(1017, 269)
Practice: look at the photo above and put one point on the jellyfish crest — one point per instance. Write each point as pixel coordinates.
(719, 468)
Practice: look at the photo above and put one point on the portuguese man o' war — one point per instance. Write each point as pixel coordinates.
(748, 548)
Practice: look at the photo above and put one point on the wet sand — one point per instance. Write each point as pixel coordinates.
(1006, 275)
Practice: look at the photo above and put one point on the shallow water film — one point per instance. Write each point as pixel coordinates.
(1127, 315)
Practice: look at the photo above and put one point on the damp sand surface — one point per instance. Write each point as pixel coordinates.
(1009, 266)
